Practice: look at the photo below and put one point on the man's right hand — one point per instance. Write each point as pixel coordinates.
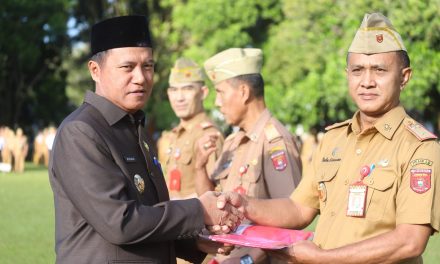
(235, 199)
(223, 216)
(226, 200)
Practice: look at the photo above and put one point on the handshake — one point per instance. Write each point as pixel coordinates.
(223, 212)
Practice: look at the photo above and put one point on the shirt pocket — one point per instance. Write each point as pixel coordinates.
(325, 182)
(186, 156)
(381, 185)
(251, 181)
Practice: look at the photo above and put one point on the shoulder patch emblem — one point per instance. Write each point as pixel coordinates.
(336, 125)
(206, 124)
(279, 159)
(271, 132)
(420, 180)
(419, 131)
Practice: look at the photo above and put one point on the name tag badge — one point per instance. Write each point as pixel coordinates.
(357, 197)
(357, 193)
(130, 159)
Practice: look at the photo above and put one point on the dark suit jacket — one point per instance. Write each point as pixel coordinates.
(101, 215)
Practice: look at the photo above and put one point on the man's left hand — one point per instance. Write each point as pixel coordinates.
(212, 247)
(300, 252)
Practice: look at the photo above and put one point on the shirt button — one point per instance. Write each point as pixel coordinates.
(346, 182)
(358, 151)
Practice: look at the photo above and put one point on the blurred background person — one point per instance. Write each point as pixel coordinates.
(20, 149)
(39, 149)
(310, 142)
(186, 92)
(7, 158)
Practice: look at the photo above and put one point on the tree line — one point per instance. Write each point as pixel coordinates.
(43, 53)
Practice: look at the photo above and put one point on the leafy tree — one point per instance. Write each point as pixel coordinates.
(304, 43)
(33, 43)
(196, 29)
(306, 56)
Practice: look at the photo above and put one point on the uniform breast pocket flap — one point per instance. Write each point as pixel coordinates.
(186, 156)
(380, 180)
(381, 187)
(254, 173)
(327, 172)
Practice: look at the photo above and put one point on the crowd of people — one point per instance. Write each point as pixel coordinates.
(14, 148)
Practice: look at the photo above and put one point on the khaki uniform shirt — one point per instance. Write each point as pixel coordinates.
(181, 154)
(263, 162)
(402, 185)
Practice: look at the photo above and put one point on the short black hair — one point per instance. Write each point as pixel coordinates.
(403, 57)
(254, 80)
(99, 57)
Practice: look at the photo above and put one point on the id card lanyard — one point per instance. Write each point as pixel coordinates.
(175, 174)
(357, 194)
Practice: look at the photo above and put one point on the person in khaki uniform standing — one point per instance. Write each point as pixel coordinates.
(20, 149)
(186, 94)
(260, 159)
(375, 178)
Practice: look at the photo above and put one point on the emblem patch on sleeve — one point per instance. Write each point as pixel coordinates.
(279, 159)
(420, 180)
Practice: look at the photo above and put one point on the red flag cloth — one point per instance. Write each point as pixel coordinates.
(266, 237)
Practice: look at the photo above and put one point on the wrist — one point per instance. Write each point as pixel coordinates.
(246, 259)
(199, 167)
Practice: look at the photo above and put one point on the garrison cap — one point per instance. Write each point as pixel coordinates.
(233, 62)
(185, 71)
(119, 32)
(376, 35)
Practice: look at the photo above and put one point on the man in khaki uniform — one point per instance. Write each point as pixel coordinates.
(39, 149)
(260, 159)
(20, 149)
(375, 178)
(8, 138)
(186, 94)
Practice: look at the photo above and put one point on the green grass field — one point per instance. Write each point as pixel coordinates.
(27, 220)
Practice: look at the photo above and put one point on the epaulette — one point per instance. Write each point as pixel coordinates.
(271, 132)
(335, 125)
(418, 130)
(206, 124)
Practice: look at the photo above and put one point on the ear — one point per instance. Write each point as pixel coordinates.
(205, 92)
(245, 92)
(95, 70)
(406, 76)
